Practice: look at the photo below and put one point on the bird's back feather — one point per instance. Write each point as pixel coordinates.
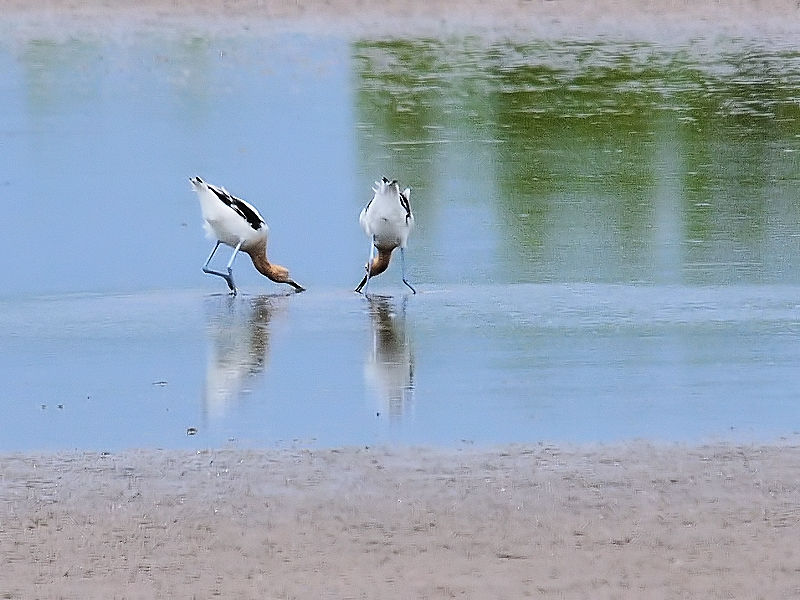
(387, 218)
(228, 218)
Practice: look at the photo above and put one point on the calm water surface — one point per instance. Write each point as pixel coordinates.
(607, 243)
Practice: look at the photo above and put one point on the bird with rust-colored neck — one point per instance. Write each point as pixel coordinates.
(387, 220)
(236, 223)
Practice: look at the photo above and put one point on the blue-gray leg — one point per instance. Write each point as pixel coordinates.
(403, 266)
(210, 256)
(228, 276)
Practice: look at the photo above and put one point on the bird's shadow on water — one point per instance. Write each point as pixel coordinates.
(238, 331)
(389, 366)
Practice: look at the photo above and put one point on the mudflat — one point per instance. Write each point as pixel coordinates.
(627, 521)
(526, 19)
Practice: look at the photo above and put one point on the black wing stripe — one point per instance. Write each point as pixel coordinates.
(405, 204)
(240, 206)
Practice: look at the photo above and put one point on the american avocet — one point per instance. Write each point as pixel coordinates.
(387, 220)
(236, 223)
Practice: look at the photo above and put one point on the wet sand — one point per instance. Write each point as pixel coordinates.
(629, 521)
(525, 19)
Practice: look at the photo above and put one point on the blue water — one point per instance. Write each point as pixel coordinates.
(607, 241)
(452, 365)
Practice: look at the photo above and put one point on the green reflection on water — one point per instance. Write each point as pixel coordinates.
(51, 68)
(605, 161)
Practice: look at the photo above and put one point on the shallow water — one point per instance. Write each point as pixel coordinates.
(606, 247)
(455, 364)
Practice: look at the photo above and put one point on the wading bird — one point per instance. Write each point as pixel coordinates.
(236, 223)
(387, 220)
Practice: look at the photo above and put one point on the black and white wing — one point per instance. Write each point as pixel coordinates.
(405, 202)
(245, 210)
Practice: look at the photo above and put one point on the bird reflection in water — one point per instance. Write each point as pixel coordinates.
(389, 370)
(239, 335)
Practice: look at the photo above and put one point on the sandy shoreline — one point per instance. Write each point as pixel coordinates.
(624, 521)
(525, 19)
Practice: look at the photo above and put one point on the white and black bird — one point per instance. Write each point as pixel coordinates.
(236, 223)
(387, 220)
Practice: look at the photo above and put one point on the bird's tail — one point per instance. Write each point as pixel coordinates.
(384, 186)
